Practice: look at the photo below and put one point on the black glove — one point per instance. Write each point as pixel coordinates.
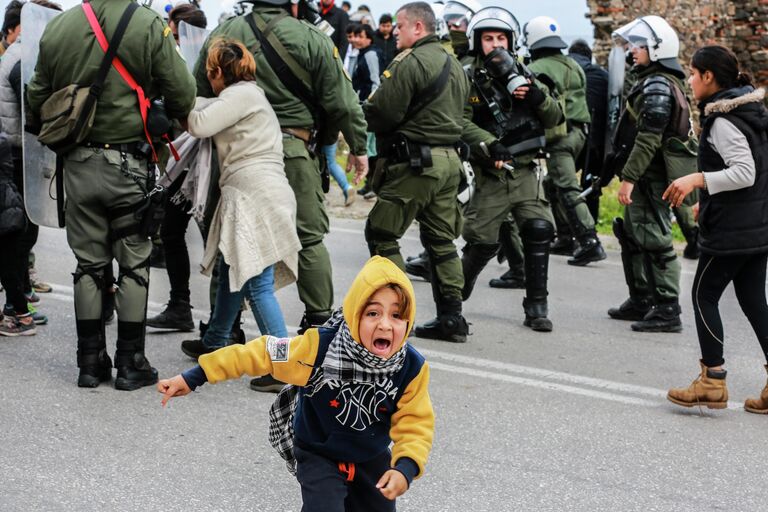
(535, 96)
(499, 151)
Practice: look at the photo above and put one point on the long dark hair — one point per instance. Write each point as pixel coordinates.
(723, 64)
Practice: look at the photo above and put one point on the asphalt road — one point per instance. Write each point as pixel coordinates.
(571, 420)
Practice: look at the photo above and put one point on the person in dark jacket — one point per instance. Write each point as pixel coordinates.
(366, 79)
(733, 217)
(12, 224)
(338, 19)
(385, 40)
(591, 158)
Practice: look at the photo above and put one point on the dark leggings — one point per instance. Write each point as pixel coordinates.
(173, 234)
(712, 276)
(13, 264)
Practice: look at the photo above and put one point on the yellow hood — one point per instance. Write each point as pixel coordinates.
(376, 273)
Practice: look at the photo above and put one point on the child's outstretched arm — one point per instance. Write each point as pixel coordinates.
(289, 360)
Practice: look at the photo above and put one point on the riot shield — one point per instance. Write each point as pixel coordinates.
(616, 70)
(191, 41)
(39, 162)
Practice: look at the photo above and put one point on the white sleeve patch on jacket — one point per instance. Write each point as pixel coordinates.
(278, 349)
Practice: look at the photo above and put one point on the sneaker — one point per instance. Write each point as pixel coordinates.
(267, 384)
(349, 196)
(176, 316)
(32, 297)
(39, 318)
(38, 286)
(13, 326)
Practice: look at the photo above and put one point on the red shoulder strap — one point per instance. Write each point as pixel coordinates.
(118, 65)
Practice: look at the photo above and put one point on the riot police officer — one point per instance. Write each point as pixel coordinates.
(656, 111)
(108, 178)
(417, 115)
(457, 15)
(312, 106)
(542, 37)
(515, 109)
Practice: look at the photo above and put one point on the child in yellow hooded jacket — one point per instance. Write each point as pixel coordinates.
(355, 386)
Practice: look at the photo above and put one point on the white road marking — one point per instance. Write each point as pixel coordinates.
(628, 394)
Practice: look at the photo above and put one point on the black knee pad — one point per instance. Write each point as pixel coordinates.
(537, 230)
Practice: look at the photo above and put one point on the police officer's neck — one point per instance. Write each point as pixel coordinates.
(544, 52)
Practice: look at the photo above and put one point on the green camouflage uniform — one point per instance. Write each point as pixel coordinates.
(332, 89)
(102, 185)
(647, 220)
(570, 81)
(429, 195)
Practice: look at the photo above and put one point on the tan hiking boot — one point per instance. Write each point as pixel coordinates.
(758, 405)
(707, 390)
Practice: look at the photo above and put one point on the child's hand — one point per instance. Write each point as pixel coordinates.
(176, 386)
(392, 484)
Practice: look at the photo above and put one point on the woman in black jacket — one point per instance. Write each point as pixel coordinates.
(733, 216)
(13, 262)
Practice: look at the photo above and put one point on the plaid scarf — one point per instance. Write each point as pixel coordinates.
(347, 362)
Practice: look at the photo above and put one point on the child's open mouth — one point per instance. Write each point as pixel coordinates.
(381, 345)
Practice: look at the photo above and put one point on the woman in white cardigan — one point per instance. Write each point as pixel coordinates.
(254, 225)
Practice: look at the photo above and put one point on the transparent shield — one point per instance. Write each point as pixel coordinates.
(616, 70)
(191, 41)
(39, 162)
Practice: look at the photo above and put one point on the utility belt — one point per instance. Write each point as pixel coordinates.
(141, 150)
(400, 149)
(308, 136)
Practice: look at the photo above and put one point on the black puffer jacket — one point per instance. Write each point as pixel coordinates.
(736, 221)
(12, 216)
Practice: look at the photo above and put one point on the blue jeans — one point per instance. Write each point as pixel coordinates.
(259, 291)
(336, 171)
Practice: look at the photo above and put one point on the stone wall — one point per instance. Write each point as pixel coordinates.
(741, 25)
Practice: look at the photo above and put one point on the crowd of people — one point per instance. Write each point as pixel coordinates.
(470, 123)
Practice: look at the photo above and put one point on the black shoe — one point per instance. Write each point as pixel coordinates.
(419, 267)
(267, 384)
(363, 190)
(157, 257)
(508, 279)
(588, 252)
(539, 324)
(91, 375)
(453, 328)
(195, 348)
(631, 309)
(137, 375)
(312, 320)
(176, 316)
(562, 245)
(423, 254)
(661, 318)
(536, 312)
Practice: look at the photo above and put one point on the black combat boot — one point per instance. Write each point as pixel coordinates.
(312, 320)
(449, 325)
(133, 368)
(634, 309)
(513, 278)
(662, 317)
(589, 250)
(536, 234)
(420, 267)
(92, 359)
(562, 245)
(473, 261)
(177, 316)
